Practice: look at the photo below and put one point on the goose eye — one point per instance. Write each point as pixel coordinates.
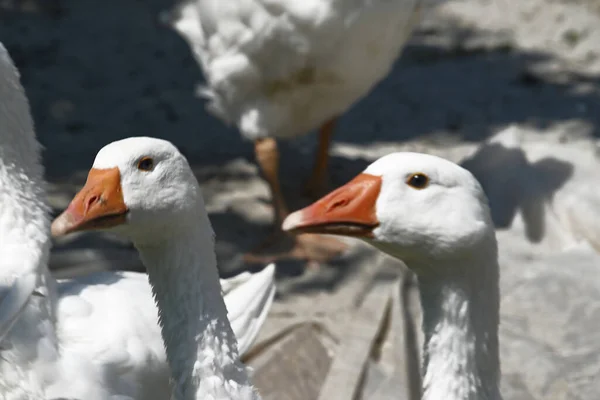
(145, 164)
(418, 181)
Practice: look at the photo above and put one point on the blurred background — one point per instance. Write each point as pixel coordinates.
(509, 89)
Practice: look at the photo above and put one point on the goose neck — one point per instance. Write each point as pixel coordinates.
(200, 344)
(460, 325)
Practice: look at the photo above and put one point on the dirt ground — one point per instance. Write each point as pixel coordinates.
(97, 71)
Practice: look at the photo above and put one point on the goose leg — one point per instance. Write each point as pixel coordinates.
(267, 156)
(307, 247)
(315, 186)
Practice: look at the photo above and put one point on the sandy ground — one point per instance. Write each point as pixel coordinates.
(100, 71)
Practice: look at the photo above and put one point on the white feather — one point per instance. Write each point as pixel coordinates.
(174, 237)
(90, 338)
(283, 67)
(13, 300)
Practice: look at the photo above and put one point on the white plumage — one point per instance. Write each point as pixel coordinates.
(94, 337)
(281, 68)
(172, 232)
(434, 216)
(111, 318)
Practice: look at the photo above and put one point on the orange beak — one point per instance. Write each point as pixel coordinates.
(98, 205)
(347, 211)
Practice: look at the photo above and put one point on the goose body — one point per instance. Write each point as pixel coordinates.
(173, 235)
(31, 364)
(433, 215)
(281, 68)
(102, 328)
(111, 318)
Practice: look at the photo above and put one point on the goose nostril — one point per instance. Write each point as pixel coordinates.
(338, 203)
(90, 202)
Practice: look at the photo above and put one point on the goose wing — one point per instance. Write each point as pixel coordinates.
(248, 298)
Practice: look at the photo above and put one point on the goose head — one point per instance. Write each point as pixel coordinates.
(140, 187)
(412, 206)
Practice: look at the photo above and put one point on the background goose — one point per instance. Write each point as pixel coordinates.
(278, 69)
(433, 215)
(102, 328)
(173, 234)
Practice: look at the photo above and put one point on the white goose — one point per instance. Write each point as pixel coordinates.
(102, 328)
(173, 234)
(281, 68)
(32, 364)
(433, 215)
